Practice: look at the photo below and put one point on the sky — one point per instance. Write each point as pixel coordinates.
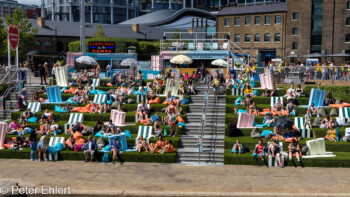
(35, 2)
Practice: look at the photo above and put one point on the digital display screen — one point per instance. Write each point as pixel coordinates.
(102, 47)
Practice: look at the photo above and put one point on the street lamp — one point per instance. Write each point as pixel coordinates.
(82, 26)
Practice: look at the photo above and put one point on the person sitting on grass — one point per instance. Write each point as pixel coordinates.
(275, 92)
(294, 149)
(115, 147)
(278, 108)
(169, 97)
(160, 145)
(94, 108)
(99, 126)
(20, 141)
(45, 128)
(26, 115)
(35, 96)
(42, 146)
(150, 95)
(90, 149)
(290, 108)
(299, 91)
(327, 122)
(54, 128)
(248, 100)
(253, 109)
(259, 150)
(314, 110)
(105, 108)
(249, 91)
(171, 109)
(331, 135)
(143, 109)
(229, 82)
(169, 147)
(78, 127)
(268, 119)
(46, 116)
(275, 151)
(329, 98)
(308, 119)
(266, 93)
(237, 147)
(13, 127)
(142, 145)
(71, 143)
(111, 127)
(155, 117)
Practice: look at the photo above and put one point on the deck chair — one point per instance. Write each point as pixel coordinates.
(266, 80)
(95, 82)
(274, 100)
(215, 46)
(200, 46)
(73, 118)
(137, 116)
(344, 115)
(145, 132)
(3, 129)
(54, 141)
(317, 97)
(102, 75)
(100, 99)
(272, 160)
(121, 139)
(61, 75)
(237, 92)
(54, 94)
(191, 46)
(140, 98)
(299, 123)
(207, 46)
(245, 120)
(169, 87)
(34, 107)
(316, 147)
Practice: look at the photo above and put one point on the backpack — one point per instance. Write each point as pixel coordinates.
(304, 150)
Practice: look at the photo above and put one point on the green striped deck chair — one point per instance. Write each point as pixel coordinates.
(34, 107)
(237, 92)
(95, 82)
(137, 116)
(299, 123)
(54, 141)
(344, 112)
(141, 97)
(73, 118)
(272, 160)
(145, 132)
(274, 100)
(100, 98)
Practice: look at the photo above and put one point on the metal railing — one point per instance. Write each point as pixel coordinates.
(202, 123)
(194, 45)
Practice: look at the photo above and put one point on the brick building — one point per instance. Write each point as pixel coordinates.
(8, 6)
(307, 26)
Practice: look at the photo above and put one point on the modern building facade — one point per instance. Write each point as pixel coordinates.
(297, 27)
(8, 6)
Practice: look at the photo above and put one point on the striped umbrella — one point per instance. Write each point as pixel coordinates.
(129, 62)
(219, 62)
(181, 59)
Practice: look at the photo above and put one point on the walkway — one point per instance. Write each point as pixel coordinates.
(147, 179)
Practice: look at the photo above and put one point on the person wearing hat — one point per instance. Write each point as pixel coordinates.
(268, 119)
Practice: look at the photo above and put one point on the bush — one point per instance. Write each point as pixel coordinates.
(146, 49)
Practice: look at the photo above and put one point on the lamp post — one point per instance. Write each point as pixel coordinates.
(91, 2)
(82, 26)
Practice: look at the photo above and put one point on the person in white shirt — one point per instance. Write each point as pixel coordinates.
(308, 119)
(54, 127)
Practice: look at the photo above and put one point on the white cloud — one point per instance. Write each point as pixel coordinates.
(35, 2)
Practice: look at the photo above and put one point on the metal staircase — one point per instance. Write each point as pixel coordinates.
(213, 134)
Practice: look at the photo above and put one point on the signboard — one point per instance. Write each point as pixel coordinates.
(102, 47)
(309, 61)
(13, 36)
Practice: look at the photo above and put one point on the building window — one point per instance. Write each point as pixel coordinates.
(257, 38)
(247, 20)
(37, 43)
(48, 44)
(278, 37)
(267, 37)
(257, 20)
(237, 38)
(237, 21)
(347, 38)
(294, 45)
(295, 31)
(227, 22)
(267, 20)
(278, 19)
(247, 38)
(348, 5)
(295, 16)
(348, 21)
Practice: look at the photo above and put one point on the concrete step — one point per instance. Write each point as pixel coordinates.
(206, 132)
(202, 160)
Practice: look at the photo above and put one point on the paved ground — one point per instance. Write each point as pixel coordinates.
(146, 179)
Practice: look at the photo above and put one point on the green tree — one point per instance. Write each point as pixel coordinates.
(26, 31)
(176, 35)
(100, 32)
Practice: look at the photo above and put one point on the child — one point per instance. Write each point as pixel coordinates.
(308, 119)
(33, 150)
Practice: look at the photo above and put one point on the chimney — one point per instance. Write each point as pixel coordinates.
(135, 28)
(190, 31)
(41, 22)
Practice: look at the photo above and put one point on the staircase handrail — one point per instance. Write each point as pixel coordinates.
(203, 117)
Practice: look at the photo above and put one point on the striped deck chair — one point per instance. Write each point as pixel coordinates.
(274, 100)
(54, 94)
(316, 147)
(145, 132)
(61, 75)
(34, 107)
(344, 115)
(3, 129)
(299, 123)
(100, 98)
(237, 92)
(141, 97)
(245, 120)
(95, 82)
(272, 160)
(73, 118)
(121, 139)
(54, 141)
(317, 97)
(137, 116)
